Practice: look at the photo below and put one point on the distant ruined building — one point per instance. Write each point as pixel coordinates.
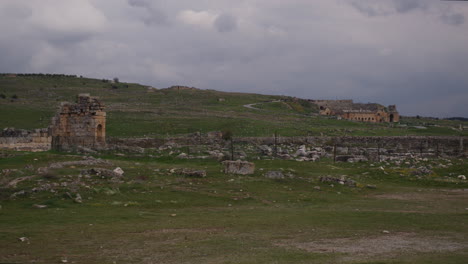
(75, 125)
(82, 124)
(347, 109)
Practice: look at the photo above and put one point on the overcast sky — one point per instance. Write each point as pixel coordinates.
(413, 53)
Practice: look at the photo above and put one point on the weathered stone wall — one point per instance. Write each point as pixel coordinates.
(24, 140)
(443, 144)
(452, 146)
(372, 117)
(363, 116)
(347, 109)
(79, 125)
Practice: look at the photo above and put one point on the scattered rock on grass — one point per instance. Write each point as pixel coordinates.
(265, 150)
(19, 193)
(104, 173)
(276, 175)
(182, 156)
(87, 161)
(238, 167)
(24, 239)
(194, 173)
(216, 154)
(14, 182)
(342, 180)
(78, 198)
(118, 171)
(422, 171)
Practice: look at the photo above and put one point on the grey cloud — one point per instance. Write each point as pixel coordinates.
(371, 8)
(312, 49)
(453, 19)
(366, 9)
(385, 8)
(153, 15)
(68, 39)
(225, 23)
(404, 6)
(15, 57)
(16, 12)
(139, 3)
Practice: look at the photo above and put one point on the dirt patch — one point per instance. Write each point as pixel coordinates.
(86, 162)
(181, 231)
(388, 245)
(426, 195)
(14, 182)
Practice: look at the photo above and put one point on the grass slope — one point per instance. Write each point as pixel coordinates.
(155, 216)
(133, 111)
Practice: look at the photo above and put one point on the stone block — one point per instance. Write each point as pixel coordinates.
(238, 167)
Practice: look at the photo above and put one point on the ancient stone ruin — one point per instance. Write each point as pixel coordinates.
(75, 125)
(79, 125)
(347, 109)
(24, 140)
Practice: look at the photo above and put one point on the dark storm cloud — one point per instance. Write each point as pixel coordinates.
(410, 53)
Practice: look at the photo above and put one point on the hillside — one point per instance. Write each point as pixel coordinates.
(187, 201)
(135, 110)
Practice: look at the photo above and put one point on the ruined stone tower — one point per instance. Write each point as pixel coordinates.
(79, 125)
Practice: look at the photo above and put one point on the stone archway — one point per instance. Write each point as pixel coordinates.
(391, 118)
(99, 134)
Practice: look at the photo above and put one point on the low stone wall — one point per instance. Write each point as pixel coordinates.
(138, 142)
(24, 140)
(451, 146)
(442, 144)
(39, 140)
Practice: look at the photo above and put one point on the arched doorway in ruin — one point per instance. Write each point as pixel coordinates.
(99, 134)
(391, 118)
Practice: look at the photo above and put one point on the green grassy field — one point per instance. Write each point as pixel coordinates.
(155, 216)
(133, 111)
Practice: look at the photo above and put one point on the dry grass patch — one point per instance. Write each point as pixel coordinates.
(387, 245)
(427, 195)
